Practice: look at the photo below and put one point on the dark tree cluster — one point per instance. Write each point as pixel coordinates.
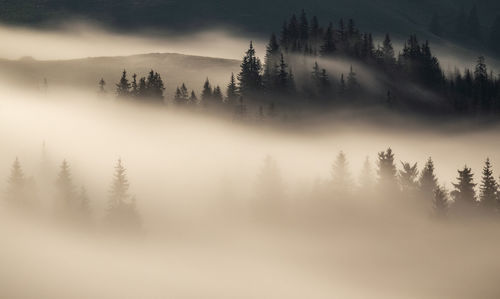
(71, 203)
(146, 88)
(291, 77)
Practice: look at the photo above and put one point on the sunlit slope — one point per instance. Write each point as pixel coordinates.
(86, 73)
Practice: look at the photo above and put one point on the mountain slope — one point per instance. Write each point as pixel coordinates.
(85, 73)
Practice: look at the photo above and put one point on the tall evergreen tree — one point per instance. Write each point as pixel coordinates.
(123, 87)
(388, 51)
(218, 97)
(232, 91)
(65, 190)
(428, 181)
(134, 86)
(408, 178)
(341, 177)
(387, 171)
(122, 212)
(352, 81)
(250, 78)
(304, 27)
(193, 99)
(328, 47)
(464, 194)
(16, 195)
(207, 93)
(271, 63)
(488, 188)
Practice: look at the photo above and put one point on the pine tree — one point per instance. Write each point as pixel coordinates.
(428, 181)
(464, 194)
(16, 189)
(250, 78)
(122, 212)
(388, 51)
(123, 87)
(135, 87)
(65, 190)
(207, 93)
(328, 47)
(232, 91)
(387, 171)
(181, 95)
(193, 99)
(488, 188)
(341, 178)
(218, 97)
(440, 202)
(304, 27)
(408, 178)
(284, 82)
(271, 63)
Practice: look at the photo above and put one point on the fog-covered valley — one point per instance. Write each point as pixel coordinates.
(116, 188)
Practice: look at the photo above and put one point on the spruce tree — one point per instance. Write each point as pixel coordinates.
(464, 194)
(122, 212)
(341, 178)
(218, 97)
(488, 189)
(84, 209)
(271, 63)
(387, 171)
(16, 189)
(135, 87)
(193, 99)
(250, 78)
(342, 86)
(232, 91)
(388, 51)
(428, 181)
(304, 27)
(123, 87)
(408, 178)
(65, 190)
(207, 93)
(328, 47)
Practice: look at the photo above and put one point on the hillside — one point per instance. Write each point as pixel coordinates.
(85, 73)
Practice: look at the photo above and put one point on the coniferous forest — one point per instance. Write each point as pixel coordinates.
(231, 149)
(293, 76)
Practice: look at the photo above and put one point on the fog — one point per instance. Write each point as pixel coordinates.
(229, 209)
(82, 39)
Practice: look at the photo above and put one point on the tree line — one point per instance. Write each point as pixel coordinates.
(407, 184)
(72, 204)
(291, 76)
